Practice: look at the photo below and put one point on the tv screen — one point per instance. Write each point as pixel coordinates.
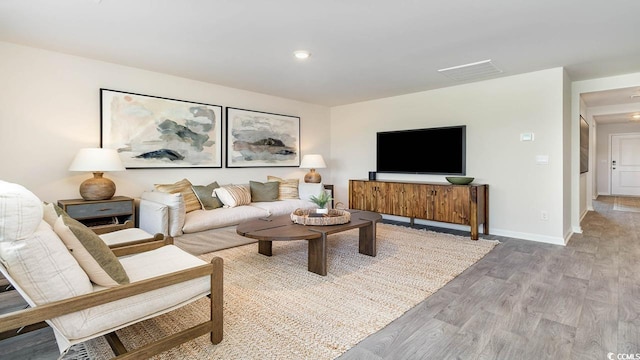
(423, 151)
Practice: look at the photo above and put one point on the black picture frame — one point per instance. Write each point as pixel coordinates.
(584, 145)
(157, 132)
(261, 139)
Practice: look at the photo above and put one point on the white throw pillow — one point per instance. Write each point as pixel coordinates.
(234, 195)
(20, 212)
(175, 203)
(43, 267)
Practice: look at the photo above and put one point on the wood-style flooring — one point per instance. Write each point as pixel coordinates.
(524, 300)
(527, 300)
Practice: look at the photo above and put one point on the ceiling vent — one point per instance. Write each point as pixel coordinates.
(473, 71)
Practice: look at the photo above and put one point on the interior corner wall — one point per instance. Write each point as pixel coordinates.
(50, 108)
(495, 112)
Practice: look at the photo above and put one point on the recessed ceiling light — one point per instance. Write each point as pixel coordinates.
(301, 54)
(636, 117)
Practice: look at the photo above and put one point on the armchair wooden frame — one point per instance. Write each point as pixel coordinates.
(213, 326)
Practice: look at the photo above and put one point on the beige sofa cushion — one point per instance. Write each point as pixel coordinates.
(202, 220)
(284, 207)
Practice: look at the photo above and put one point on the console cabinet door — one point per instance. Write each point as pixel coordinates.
(357, 193)
(417, 199)
(450, 204)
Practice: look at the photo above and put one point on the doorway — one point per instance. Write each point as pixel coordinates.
(625, 164)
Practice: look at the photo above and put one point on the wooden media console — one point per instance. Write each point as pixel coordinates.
(455, 204)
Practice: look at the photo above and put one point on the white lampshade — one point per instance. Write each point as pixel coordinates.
(312, 161)
(97, 160)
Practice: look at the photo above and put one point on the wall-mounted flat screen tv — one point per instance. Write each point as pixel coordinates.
(422, 151)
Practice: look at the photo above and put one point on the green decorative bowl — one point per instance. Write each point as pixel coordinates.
(459, 180)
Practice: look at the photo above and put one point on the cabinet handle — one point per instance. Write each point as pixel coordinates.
(104, 209)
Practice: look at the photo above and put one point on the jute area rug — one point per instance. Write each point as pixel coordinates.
(275, 309)
(627, 204)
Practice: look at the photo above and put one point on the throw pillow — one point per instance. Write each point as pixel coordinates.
(20, 212)
(51, 212)
(268, 191)
(207, 197)
(183, 187)
(93, 255)
(233, 195)
(288, 187)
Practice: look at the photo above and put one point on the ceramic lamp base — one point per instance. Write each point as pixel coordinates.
(97, 188)
(312, 177)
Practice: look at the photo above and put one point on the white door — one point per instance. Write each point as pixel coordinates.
(625, 164)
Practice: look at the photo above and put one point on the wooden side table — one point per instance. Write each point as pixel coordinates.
(102, 215)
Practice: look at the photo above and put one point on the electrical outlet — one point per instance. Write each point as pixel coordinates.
(544, 215)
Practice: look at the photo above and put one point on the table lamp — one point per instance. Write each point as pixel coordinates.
(97, 161)
(313, 162)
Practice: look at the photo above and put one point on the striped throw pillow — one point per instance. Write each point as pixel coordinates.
(183, 187)
(233, 195)
(288, 187)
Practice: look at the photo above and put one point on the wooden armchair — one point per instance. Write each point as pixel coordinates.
(37, 263)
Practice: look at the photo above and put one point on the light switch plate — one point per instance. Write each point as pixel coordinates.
(526, 137)
(542, 159)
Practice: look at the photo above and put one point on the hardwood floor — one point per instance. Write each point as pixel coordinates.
(527, 300)
(524, 300)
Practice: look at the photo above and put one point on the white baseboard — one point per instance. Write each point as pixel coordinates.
(528, 236)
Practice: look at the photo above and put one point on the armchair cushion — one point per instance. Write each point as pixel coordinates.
(93, 255)
(114, 315)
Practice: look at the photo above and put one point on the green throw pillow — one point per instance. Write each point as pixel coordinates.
(93, 255)
(268, 191)
(206, 196)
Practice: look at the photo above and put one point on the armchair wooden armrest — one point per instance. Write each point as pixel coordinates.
(213, 326)
(143, 245)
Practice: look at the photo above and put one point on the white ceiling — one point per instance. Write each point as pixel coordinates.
(614, 106)
(361, 49)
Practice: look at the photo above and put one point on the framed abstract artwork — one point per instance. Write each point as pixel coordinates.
(155, 132)
(260, 139)
(584, 145)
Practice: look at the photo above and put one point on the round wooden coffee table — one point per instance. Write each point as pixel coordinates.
(281, 228)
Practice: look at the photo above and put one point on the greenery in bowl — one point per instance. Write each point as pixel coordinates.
(321, 200)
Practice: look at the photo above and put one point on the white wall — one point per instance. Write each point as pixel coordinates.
(567, 134)
(496, 112)
(50, 108)
(603, 146)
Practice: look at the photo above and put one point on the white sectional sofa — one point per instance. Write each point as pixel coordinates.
(165, 213)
